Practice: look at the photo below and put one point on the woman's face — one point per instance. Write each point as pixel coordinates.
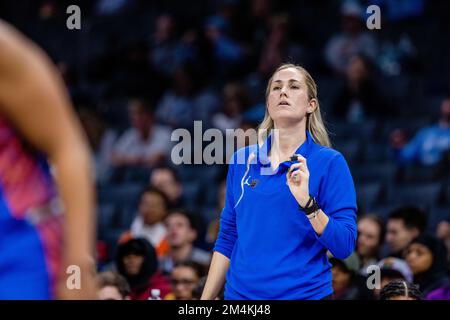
(288, 100)
(368, 237)
(152, 208)
(340, 278)
(133, 264)
(419, 258)
(183, 280)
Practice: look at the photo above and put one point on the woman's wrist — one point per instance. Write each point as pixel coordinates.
(302, 201)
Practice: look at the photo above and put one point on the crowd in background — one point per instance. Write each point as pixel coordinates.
(137, 70)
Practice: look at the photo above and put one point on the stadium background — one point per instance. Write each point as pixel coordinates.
(210, 61)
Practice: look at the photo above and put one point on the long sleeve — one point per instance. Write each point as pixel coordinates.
(227, 232)
(337, 198)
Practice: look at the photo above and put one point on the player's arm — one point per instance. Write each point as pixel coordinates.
(33, 98)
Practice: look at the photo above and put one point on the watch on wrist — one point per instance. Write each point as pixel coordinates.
(311, 206)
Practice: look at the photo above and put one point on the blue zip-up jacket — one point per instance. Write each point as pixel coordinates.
(273, 249)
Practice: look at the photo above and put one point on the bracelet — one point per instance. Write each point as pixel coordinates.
(313, 215)
(310, 208)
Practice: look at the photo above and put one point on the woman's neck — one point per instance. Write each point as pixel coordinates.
(287, 140)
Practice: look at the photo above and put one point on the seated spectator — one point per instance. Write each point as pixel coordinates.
(427, 258)
(395, 264)
(400, 290)
(181, 234)
(214, 225)
(404, 224)
(429, 146)
(236, 101)
(137, 262)
(392, 269)
(347, 285)
(360, 98)
(370, 239)
(145, 144)
(186, 101)
(443, 233)
(279, 45)
(101, 140)
(166, 179)
(112, 286)
(442, 293)
(351, 41)
(164, 45)
(184, 279)
(149, 222)
(226, 52)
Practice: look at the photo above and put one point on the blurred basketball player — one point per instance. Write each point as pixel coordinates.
(37, 241)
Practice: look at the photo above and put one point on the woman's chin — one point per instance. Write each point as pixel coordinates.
(286, 118)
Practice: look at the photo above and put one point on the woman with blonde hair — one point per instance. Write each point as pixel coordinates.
(289, 199)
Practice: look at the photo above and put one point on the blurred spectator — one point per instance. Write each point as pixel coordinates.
(166, 179)
(430, 144)
(258, 18)
(145, 144)
(236, 101)
(186, 101)
(427, 258)
(137, 262)
(395, 264)
(443, 233)
(149, 223)
(392, 269)
(279, 47)
(360, 98)
(347, 285)
(112, 286)
(101, 139)
(404, 224)
(214, 225)
(387, 276)
(442, 293)
(226, 52)
(400, 290)
(164, 44)
(184, 278)
(371, 232)
(181, 234)
(168, 52)
(352, 40)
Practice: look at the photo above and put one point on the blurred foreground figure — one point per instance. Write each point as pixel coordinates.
(39, 239)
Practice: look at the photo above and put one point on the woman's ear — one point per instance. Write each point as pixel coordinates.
(312, 105)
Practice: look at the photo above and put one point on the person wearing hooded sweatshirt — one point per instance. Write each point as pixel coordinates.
(137, 262)
(427, 258)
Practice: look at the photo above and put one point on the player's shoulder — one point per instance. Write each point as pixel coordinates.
(328, 154)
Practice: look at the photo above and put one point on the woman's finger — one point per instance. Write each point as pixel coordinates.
(299, 167)
(294, 166)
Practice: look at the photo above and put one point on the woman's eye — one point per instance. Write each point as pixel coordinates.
(295, 87)
(276, 88)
